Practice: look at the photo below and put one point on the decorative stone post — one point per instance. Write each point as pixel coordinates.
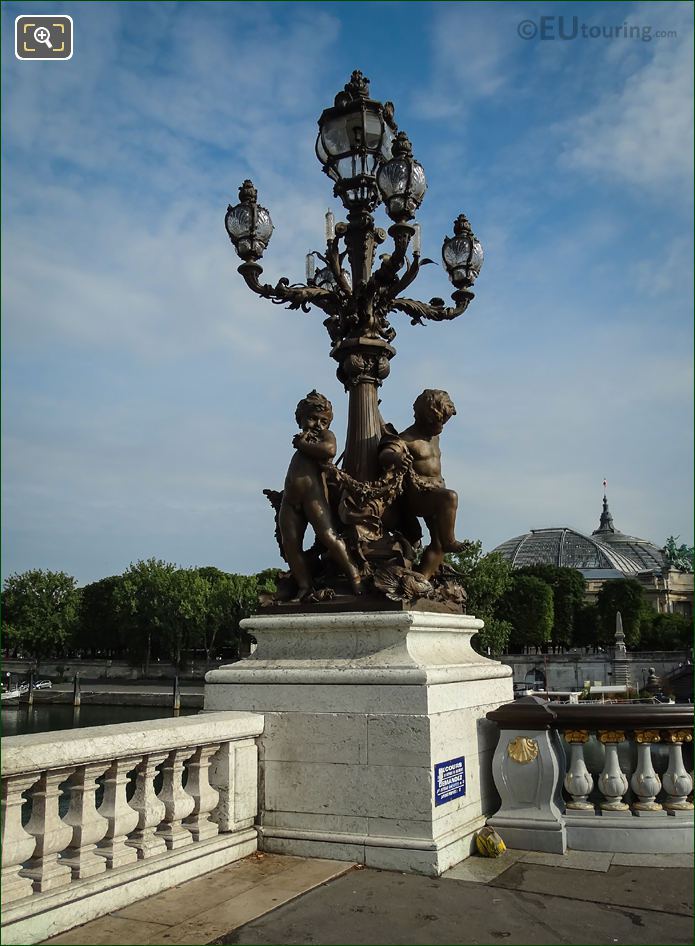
(527, 768)
(612, 781)
(677, 783)
(17, 844)
(120, 816)
(51, 833)
(205, 797)
(645, 783)
(579, 782)
(88, 826)
(178, 804)
(149, 808)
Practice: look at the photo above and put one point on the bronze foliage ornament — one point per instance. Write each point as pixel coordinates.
(365, 508)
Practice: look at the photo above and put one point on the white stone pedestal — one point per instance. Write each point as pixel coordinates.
(359, 709)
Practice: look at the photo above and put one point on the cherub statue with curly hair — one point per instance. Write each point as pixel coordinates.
(304, 499)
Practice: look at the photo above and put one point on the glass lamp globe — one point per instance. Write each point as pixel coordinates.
(402, 181)
(462, 254)
(324, 278)
(352, 141)
(248, 224)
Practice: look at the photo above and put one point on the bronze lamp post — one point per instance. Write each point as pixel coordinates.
(370, 162)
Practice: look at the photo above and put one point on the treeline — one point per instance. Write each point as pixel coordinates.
(544, 607)
(154, 610)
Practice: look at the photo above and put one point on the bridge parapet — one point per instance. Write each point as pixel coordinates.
(594, 777)
(96, 818)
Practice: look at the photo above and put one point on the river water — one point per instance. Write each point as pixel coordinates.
(48, 717)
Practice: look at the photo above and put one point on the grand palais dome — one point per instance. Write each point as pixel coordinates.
(606, 553)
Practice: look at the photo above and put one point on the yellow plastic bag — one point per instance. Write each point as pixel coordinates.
(489, 843)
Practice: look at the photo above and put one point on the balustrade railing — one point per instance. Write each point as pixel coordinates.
(606, 777)
(118, 825)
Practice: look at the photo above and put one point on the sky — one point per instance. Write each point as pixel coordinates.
(148, 397)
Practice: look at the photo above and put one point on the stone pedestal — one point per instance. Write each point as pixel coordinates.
(362, 713)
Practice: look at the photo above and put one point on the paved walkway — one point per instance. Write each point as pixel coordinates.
(520, 898)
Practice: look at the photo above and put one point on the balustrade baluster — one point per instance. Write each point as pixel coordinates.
(612, 781)
(88, 826)
(205, 797)
(120, 816)
(17, 844)
(578, 780)
(645, 783)
(51, 833)
(677, 783)
(149, 808)
(178, 804)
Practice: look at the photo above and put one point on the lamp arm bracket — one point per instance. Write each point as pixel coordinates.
(297, 296)
(434, 310)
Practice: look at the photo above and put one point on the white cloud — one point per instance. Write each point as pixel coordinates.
(472, 57)
(642, 132)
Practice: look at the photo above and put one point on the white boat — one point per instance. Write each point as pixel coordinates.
(12, 694)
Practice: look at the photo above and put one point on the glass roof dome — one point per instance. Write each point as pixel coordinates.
(566, 548)
(607, 553)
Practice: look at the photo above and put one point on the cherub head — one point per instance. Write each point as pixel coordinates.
(433, 409)
(314, 412)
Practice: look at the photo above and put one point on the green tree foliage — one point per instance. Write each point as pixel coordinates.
(232, 598)
(680, 556)
(528, 606)
(627, 596)
(167, 611)
(188, 594)
(665, 632)
(99, 628)
(142, 605)
(569, 587)
(586, 626)
(485, 578)
(41, 608)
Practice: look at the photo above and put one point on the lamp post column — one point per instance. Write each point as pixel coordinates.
(364, 363)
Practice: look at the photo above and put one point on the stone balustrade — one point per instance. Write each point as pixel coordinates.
(596, 777)
(118, 836)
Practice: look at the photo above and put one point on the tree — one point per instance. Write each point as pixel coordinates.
(569, 587)
(528, 606)
(627, 596)
(41, 608)
(485, 578)
(142, 604)
(586, 627)
(679, 556)
(665, 632)
(232, 598)
(188, 594)
(99, 627)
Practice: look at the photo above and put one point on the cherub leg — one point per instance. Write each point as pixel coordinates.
(320, 519)
(292, 528)
(440, 508)
(433, 555)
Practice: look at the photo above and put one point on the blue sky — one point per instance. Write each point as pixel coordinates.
(148, 396)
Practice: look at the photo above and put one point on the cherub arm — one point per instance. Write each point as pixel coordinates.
(322, 450)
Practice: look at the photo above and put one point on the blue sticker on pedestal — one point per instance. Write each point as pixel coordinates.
(449, 780)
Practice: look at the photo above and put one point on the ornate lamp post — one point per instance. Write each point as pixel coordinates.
(370, 162)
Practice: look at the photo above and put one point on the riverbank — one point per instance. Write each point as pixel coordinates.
(105, 694)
